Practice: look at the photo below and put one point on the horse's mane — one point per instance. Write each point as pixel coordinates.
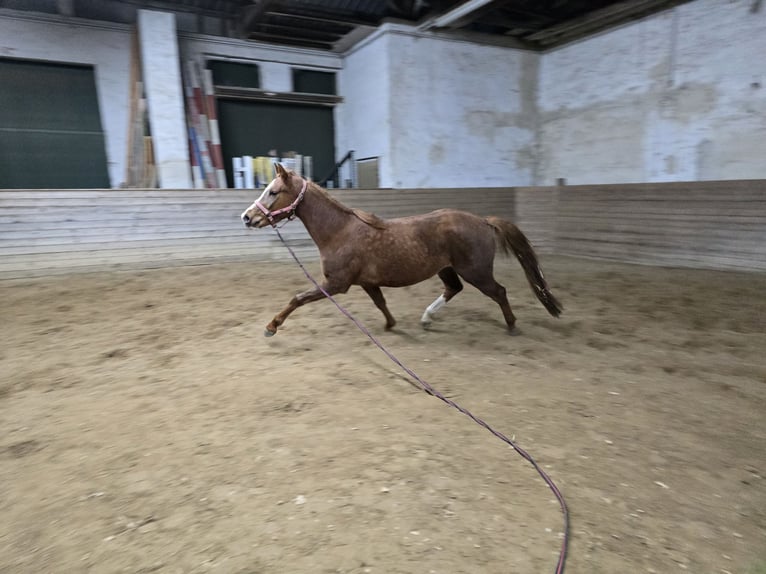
(366, 217)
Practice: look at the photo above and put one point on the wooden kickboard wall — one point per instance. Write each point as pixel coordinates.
(709, 225)
(719, 225)
(48, 232)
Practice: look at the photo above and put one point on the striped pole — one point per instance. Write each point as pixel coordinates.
(196, 160)
(201, 124)
(215, 137)
(198, 176)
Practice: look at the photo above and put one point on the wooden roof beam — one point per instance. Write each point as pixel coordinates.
(600, 19)
(459, 13)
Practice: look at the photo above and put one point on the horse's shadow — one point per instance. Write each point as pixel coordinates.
(406, 334)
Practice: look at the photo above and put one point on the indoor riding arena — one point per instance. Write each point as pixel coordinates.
(164, 162)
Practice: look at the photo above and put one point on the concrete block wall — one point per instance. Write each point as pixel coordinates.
(440, 112)
(362, 121)
(679, 96)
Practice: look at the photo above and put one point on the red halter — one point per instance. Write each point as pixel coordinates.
(290, 209)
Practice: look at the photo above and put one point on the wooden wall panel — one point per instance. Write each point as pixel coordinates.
(719, 225)
(697, 224)
(535, 209)
(44, 232)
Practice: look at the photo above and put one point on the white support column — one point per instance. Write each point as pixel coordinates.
(165, 97)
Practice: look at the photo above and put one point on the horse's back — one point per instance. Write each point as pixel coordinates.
(449, 223)
(447, 233)
(445, 220)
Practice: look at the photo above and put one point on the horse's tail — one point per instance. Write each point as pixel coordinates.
(510, 238)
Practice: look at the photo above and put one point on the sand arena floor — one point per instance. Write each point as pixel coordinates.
(146, 425)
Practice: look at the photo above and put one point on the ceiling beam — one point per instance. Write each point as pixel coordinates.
(253, 13)
(353, 38)
(506, 21)
(488, 11)
(227, 8)
(599, 20)
(458, 13)
(339, 19)
(294, 40)
(308, 24)
(297, 33)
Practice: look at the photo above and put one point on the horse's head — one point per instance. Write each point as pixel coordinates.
(278, 201)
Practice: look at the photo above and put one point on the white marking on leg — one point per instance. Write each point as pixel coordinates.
(433, 308)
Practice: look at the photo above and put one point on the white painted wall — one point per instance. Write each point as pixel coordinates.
(677, 96)
(363, 120)
(163, 85)
(439, 112)
(104, 46)
(463, 114)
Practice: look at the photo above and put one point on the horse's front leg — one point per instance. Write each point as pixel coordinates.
(298, 301)
(380, 302)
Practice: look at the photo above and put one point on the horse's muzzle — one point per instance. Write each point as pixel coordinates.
(252, 222)
(257, 223)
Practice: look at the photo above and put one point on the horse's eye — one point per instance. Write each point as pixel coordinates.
(273, 193)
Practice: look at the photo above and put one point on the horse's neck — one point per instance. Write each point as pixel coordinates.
(322, 217)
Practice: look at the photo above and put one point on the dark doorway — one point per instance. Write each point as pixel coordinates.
(50, 127)
(255, 128)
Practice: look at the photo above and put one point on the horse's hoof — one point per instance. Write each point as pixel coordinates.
(425, 324)
(514, 331)
(268, 333)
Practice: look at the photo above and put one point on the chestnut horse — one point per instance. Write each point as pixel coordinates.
(359, 248)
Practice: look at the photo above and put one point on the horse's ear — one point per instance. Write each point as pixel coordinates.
(281, 171)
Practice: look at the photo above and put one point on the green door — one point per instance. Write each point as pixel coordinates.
(50, 127)
(255, 128)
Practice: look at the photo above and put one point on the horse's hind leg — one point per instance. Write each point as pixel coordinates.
(452, 286)
(380, 302)
(497, 293)
(485, 282)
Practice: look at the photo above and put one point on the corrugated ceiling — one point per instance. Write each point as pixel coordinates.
(335, 25)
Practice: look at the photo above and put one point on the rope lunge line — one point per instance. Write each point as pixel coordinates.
(426, 387)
